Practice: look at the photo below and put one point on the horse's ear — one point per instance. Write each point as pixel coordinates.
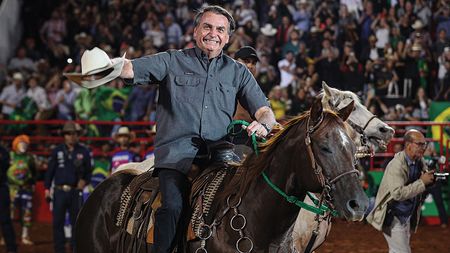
(326, 89)
(316, 111)
(327, 98)
(345, 112)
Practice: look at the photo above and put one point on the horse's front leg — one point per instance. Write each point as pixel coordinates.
(304, 227)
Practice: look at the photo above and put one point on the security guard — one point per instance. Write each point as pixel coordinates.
(70, 168)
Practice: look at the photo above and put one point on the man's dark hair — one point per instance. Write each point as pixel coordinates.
(217, 10)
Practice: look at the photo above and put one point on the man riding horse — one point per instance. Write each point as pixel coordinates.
(199, 91)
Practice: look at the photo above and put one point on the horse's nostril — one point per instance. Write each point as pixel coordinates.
(386, 129)
(353, 204)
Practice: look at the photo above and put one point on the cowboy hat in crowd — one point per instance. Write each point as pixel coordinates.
(71, 127)
(124, 131)
(268, 30)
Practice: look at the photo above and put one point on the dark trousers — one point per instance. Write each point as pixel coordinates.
(62, 202)
(5, 219)
(174, 189)
(436, 192)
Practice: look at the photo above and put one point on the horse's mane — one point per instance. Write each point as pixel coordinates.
(255, 164)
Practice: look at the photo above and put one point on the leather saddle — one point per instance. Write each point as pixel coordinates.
(141, 198)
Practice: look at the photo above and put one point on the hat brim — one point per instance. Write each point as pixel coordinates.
(83, 80)
(269, 32)
(130, 135)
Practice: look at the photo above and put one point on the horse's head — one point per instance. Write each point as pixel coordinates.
(371, 129)
(332, 156)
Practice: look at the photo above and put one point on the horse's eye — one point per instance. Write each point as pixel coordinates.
(326, 149)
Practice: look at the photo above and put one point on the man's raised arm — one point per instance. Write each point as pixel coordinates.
(127, 70)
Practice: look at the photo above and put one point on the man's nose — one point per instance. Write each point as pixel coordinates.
(213, 32)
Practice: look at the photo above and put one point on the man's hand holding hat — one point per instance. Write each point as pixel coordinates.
(97, 69)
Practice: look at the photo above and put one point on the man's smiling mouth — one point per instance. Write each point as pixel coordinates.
(209, 41)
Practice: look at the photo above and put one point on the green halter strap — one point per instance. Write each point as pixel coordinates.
(291, 199)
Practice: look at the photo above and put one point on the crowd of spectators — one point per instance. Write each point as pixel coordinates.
(394, 54)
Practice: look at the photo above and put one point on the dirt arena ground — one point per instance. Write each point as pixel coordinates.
(344, 238)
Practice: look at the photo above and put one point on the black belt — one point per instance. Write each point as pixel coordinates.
(65, 187)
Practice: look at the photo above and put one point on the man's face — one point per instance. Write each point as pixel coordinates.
(250, 63)
(416, 148)
(123, 139)
(211, 34)
(71, 138)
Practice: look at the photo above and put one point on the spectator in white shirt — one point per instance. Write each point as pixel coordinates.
(287, 69)
(65, 99)
(12, 95)
(38, 95)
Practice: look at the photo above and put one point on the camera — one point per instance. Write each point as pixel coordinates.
(434, 163)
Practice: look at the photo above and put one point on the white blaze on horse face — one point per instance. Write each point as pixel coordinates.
(345, 140)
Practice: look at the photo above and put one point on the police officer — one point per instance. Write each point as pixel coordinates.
(5, 218)
(70, 168)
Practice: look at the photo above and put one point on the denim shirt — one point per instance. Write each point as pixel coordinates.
(403, 209)
(197, 100)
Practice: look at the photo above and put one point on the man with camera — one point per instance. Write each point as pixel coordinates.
(399, 198)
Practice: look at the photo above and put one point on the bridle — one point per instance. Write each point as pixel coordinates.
(325, 182)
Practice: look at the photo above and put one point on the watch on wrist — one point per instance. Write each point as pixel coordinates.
(266, 126)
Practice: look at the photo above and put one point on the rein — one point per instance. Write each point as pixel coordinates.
(319, 209)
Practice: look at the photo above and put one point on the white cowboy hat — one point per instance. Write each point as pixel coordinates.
(94, 62)
(18, 76)
(417, 24)
(268, 30)
(124, 131)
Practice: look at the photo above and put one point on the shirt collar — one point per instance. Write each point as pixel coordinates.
(409, 161)
(201, 55)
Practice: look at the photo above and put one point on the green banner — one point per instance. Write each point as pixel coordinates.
(440, 112)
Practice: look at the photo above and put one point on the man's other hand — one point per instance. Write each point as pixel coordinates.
(427, 177)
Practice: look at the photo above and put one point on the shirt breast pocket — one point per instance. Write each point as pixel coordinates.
(187, 88)
(226, 96)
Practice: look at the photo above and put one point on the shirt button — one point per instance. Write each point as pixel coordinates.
(206, 107)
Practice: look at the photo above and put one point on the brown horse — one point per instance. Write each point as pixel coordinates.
(313, 153)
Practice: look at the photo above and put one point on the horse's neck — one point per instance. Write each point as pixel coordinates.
(275, 213)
